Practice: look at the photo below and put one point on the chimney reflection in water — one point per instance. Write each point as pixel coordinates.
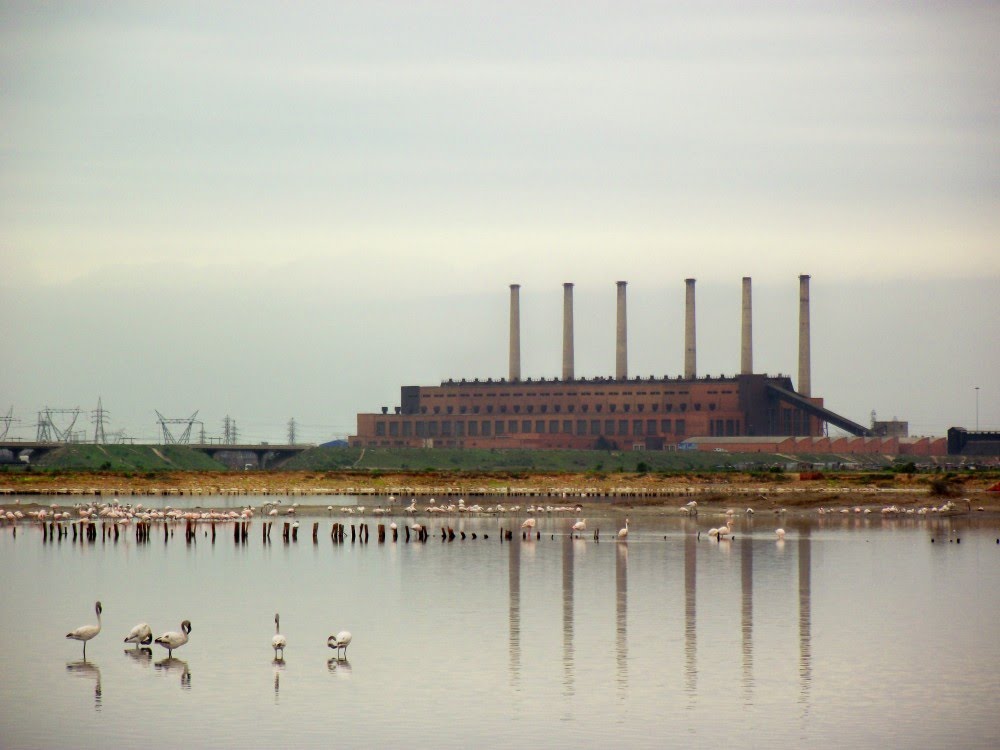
(805, 616)
(514, 606)
(567, 581)
(746, 570)
(690, 614)
(621, 615)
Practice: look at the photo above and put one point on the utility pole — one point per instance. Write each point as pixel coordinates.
(291, 431)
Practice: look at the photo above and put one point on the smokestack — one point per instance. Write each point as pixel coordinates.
(515, 333)
(621, 340)
(690, 353)
(746, 350)
(567, 370)
(805, 375)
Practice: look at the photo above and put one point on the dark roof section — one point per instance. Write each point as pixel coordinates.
(790, 397)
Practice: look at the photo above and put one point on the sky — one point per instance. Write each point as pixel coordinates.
(272, 210)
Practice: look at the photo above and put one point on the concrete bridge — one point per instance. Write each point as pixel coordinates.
(263, 452)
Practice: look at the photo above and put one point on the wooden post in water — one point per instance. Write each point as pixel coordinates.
(295, 532)
(395, 535)
(315, 532)
(407, 528)
(353, 532)
(381, 533)
(285, 531)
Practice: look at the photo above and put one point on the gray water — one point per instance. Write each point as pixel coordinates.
(850, 633)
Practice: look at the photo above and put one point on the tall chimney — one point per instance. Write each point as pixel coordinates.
(690, 350)
(805, 375)
(515, 333)
(621, 339)
(567, 369)
(746, 350)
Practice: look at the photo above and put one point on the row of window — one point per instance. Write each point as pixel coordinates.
(570, 408)
(498, 394)
(487, 428)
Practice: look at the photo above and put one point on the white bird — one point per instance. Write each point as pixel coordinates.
(278, 642)
(529, 524)
(141, 633)
(86, 632)
(172, 639)
(780, 533)
(724, 531)
(580, 525)
(623, 533)
(340, 641)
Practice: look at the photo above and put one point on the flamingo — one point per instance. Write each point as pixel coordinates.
(278, 642)
(580, 525)
(86, 632)
(779, 533)
(172, 639)
(623, 533)
(141, 633)
(340, 641)
(528, 524)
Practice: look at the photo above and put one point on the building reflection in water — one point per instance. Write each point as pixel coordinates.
(690, 613)
(567, 597)
(805, 614)
(621, 614)
(514, 606)
(746, 570)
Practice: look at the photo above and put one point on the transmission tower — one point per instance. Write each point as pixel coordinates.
(48, 432)
(230, 435)
(291, 431)
(184, 438)
(6, 421)
(97, 417)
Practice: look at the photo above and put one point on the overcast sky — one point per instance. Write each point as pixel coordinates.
(289, 210)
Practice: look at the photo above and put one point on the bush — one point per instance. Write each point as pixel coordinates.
(942, 487)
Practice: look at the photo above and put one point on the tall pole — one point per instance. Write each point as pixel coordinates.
(515, 333)
(621, 336)
(567, 366)
(690, 347)
(746, 349)
(805, 377)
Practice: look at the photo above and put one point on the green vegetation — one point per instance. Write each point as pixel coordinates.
(126, 458)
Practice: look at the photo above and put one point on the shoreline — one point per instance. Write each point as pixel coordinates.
(655, 491)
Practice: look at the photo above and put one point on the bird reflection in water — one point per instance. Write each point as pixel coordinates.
(279, 666)
(173, 664)
(88, 670)
(340, 667)
(142, 657)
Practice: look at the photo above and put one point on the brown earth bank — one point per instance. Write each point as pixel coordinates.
(804, 490)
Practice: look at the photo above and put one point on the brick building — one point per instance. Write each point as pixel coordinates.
(635, 413)
(620, 412)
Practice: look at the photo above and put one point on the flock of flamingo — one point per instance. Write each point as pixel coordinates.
(142, 635)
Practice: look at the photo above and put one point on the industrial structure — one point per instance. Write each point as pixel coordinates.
(620, 412)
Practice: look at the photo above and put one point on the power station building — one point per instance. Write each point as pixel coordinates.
(620, 412)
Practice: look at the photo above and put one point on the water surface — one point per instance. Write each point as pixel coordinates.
(852, 632)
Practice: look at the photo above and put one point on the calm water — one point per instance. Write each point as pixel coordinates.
(850, 633)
